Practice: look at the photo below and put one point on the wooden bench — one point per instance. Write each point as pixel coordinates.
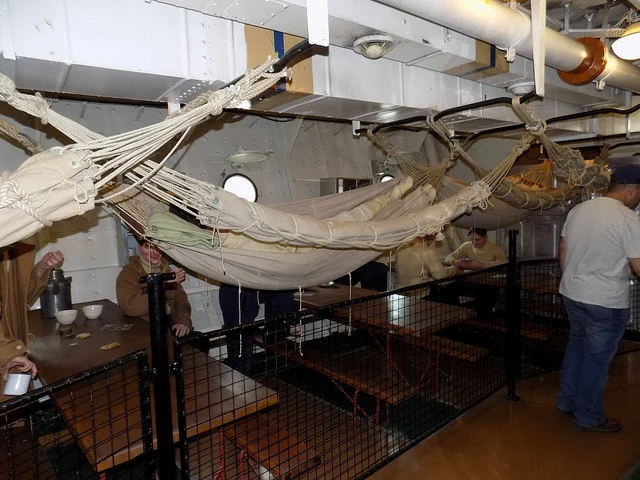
(275, 449)
(356, 369)
(453, 348)
(529, 330)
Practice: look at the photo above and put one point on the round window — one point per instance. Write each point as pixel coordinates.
(386, 177)
(241, 186)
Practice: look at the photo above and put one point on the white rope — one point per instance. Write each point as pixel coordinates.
(12, 195)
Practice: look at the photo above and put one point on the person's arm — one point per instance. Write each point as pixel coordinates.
(500, 257)
(436, 269)
(131, 299)
(40, 275)
(561, 255)
(455, 255)
(635, 265)
(180, 309)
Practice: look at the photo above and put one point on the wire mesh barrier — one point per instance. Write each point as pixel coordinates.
(335, 390)
(81, 427)
(544, 321)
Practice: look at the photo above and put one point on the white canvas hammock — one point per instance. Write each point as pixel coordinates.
(65, 181)
(294, 249)
(498, 214)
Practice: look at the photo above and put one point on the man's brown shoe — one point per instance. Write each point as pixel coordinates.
(608, 426)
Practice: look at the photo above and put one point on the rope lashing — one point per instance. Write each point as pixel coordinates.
(534, 125)
(12, 195)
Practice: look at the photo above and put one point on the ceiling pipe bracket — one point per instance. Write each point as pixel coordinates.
(511, 50)
(593, 64)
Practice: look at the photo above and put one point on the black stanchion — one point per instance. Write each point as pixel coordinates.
(513, 318)
(160, 369)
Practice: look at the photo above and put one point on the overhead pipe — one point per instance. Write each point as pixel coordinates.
(579, 62)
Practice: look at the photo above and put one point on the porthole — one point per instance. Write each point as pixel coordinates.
(241, 186)
(386, 177)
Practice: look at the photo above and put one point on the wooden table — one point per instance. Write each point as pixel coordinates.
(59, 358)
(538, 282)
(407, 318)
(405, 315)
(322, 297)
(104, 413)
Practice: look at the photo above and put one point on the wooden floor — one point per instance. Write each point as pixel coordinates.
(529, 439)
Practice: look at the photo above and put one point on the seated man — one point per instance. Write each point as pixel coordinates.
(371, 275)
(476, 254)
(418, 262)
(20, 285)
(132, 295)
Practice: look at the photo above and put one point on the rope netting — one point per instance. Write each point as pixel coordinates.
(63, 181)
(119, 153)
(538, 177)
(567, 164)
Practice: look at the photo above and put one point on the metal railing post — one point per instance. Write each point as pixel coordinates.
(513, 318)
(160, 369)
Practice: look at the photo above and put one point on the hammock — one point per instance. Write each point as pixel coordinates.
(498, 213)
(293, 250)
(65, 181)
(511, 202)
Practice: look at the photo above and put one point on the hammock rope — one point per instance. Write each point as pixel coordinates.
(119, 153)
(11, 131)
(567, 164)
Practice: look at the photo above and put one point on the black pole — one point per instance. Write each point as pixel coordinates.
(513, 318)
(160, 368)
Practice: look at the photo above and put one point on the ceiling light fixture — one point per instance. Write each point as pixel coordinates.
(627, 47)
(243, 157)
(374, 46)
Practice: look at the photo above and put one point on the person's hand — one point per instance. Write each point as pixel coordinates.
(475, 265)
(180, 329)
(180, 275)
(49, 260)
(462, 264)
(24, 365)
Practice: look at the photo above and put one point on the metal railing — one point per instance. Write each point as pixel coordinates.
(335, 391)
(82, 426)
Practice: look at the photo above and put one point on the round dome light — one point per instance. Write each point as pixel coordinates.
(627, 47)
(373, 46)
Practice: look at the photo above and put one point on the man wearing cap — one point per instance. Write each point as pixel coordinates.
(598, 243)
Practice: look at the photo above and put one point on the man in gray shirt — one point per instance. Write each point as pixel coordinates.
(598, 243)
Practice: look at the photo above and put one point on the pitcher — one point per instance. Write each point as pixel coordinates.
(57, 295)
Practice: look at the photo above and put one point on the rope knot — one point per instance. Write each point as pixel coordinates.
(11, 193)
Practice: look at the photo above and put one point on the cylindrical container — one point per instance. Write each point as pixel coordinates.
(17, 384)
(57, 295)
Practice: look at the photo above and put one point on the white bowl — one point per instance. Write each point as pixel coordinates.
(92, 311)
(65, 317)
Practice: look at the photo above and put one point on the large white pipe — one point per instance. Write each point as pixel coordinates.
(503, 27)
